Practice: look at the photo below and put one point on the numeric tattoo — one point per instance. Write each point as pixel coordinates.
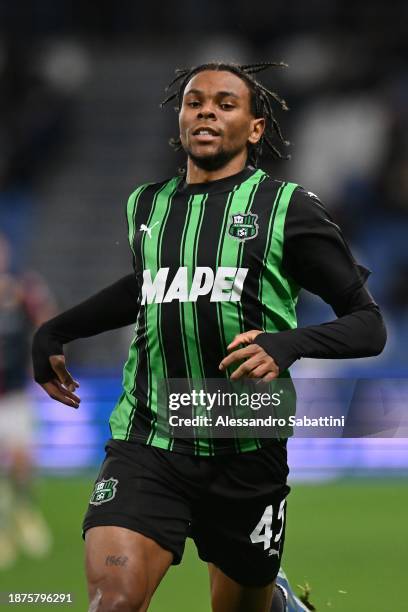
(116, 560)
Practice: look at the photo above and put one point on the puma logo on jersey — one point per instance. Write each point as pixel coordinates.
(144, 228)
(224, 286)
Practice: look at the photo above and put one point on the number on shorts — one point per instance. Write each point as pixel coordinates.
(281, 517)
(263, 531)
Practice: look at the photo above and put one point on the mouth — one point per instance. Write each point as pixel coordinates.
(205, 134)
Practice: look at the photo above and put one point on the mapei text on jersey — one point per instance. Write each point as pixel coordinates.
(223, 286)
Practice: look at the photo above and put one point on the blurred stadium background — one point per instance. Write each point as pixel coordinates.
(80, 126)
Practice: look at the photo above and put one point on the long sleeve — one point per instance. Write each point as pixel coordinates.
(318, 259)
(114, 307)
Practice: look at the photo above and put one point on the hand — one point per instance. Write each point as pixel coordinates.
(62, 388)
(257, 364)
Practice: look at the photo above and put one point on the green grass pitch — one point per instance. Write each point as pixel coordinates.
(347, 539)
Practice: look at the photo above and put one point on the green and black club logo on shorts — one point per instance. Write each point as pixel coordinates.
(104, 491)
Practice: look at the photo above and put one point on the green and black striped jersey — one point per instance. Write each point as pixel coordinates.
(207, 259)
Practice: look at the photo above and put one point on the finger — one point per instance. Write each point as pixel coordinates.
(270, 376)
(239, 354)
(54, 386)
(244, 369)
(269, 365)
(68, 393)
(258, 361)
(260, 371)
(244, 338)
(58, 365)
(53, 390)
(60, 397)
(239, 339)
(68, 382)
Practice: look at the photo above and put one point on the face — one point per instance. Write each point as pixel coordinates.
(216, 123)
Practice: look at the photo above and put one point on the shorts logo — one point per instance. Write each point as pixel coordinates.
(243, 226)
(104, 491)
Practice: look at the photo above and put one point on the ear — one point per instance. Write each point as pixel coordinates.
(256, 130)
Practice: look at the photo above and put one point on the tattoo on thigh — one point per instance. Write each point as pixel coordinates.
(117, 560)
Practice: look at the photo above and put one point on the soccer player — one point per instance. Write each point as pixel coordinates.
(219, 257)
(25, 303)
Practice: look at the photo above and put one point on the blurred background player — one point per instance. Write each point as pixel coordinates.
(24, 304)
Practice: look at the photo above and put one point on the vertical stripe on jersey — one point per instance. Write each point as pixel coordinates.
(131, 364)
(207, 318)
(241, 251)
(267, 249)
(230, 254)
(188, 310)
(131, 215)
(230, 322)
(291, 287)
(254, 252)
(151, 257)
(276, 298)
(121, 417)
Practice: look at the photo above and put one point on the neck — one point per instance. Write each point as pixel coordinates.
(198, 175)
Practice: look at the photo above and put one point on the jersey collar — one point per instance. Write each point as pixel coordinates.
(221, 185)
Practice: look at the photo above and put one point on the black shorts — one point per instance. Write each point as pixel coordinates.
(233, 506)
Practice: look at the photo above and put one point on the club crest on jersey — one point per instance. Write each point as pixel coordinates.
(243, 226)
(104, 491)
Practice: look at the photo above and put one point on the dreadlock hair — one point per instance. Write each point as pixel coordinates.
(261, 100)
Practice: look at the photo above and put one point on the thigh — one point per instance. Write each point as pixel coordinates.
(137, 490)
(123, 568)
(227, 595)
(241, 527)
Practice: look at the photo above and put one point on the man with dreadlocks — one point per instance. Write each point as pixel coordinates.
(219, 257)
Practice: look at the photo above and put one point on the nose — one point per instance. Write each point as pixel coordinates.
(206, 113)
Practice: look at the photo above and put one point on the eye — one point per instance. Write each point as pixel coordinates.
(193, 104)
(226, 106)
